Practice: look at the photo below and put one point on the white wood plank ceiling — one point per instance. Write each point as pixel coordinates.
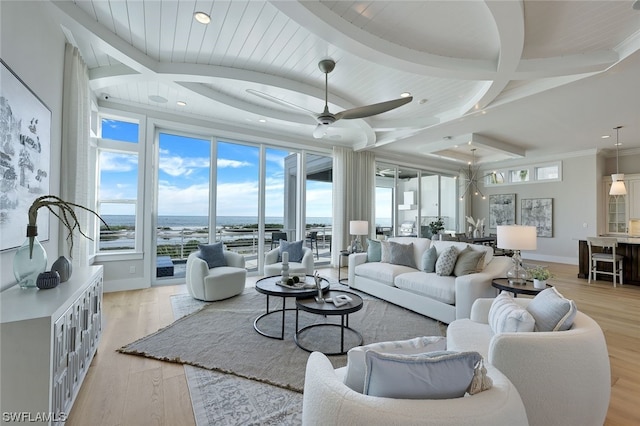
(477, 70)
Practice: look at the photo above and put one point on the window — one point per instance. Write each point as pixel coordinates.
(548, 172)
(183, 199)
(118, 184)
(528, 174)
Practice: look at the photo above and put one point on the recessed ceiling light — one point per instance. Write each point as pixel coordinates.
(262, 120)
(157, 98)
(181, 103)
(405, 94)
(605, 136)
(202, 17)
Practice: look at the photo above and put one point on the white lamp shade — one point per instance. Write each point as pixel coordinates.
(617, 186)
(358, 227)
(517, 237)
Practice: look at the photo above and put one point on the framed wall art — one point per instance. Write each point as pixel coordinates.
(25, 126)
(538, 212)
(502, 210)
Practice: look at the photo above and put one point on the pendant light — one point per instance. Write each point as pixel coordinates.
(617, 184)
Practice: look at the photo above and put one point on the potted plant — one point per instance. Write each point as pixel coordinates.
(540, 275)
(436, 226)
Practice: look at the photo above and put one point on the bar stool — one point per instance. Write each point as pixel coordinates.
(616, 260)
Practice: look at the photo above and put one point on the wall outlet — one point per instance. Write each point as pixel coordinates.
(585, 225)
(132, 269)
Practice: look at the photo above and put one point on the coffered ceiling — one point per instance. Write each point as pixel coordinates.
(513, 78)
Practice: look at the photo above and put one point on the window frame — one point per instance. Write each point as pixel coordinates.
(532, 174)
(125, 147)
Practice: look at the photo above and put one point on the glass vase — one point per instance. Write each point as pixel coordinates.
(30, 260)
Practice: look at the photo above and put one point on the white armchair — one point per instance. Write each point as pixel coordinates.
(273, 267)
(217, 283)
(328, 401)
(563, 377)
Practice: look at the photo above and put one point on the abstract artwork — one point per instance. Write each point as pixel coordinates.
(25, 144)
(538, 212)
(502, 210)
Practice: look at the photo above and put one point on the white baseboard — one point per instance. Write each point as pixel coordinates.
(553, 259)
(123, 285)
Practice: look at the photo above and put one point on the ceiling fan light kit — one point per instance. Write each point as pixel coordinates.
(617, 184)
(326, 118)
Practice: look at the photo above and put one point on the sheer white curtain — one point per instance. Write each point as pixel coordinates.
(353, 195)
(74, 167)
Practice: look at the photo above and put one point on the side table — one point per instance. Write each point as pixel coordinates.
(516, 289)
(343, 253)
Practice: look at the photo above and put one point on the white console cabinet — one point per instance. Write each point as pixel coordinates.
(47, 341)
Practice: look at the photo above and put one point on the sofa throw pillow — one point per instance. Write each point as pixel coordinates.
(467, 262)
(354, 376)
(506, 316)
(213, 254)
(429, 258)
(552, 311)
(374, 250)
(433, 375)
(446, 261)
(402, 254)
(294, 249)
(385, 252)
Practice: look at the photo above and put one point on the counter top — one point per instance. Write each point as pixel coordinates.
(626, 239)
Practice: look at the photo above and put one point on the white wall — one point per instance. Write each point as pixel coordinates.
(576, 207)
(34, 49)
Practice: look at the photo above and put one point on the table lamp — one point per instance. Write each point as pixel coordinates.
(516, 238)
(357, 228)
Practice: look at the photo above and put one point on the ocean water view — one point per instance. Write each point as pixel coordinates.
(185, 222)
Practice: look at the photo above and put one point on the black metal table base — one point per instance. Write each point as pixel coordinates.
(275, 311)
(344, 325)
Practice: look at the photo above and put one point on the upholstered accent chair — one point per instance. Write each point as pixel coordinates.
(563, 377)
(273, 265)
(220, 282)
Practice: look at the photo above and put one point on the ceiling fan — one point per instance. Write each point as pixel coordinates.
(326, 118)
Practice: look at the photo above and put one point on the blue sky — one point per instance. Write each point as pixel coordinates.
(184, 165)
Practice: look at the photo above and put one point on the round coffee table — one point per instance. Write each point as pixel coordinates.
(328, 308)
(526, 288)
(270, 287)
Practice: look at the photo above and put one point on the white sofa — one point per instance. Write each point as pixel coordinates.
(217, 283)
(328, 401)
(563, 377)
(273, 267)
(444, 298)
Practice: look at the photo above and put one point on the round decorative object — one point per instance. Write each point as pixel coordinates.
(30, 260)
(47, 280)
(63, 267)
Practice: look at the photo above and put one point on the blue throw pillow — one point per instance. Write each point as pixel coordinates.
(429, 258)
(213, 254)
(294, 249)
(374, 250)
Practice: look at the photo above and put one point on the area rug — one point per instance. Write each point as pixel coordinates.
(220, 337)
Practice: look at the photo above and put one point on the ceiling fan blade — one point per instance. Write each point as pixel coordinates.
(280, 102)
(374, 109)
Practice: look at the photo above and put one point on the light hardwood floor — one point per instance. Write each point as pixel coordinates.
(130, 390)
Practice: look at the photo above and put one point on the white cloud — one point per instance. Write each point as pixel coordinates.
(118, 162)
(224, 163)
(182, 166)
